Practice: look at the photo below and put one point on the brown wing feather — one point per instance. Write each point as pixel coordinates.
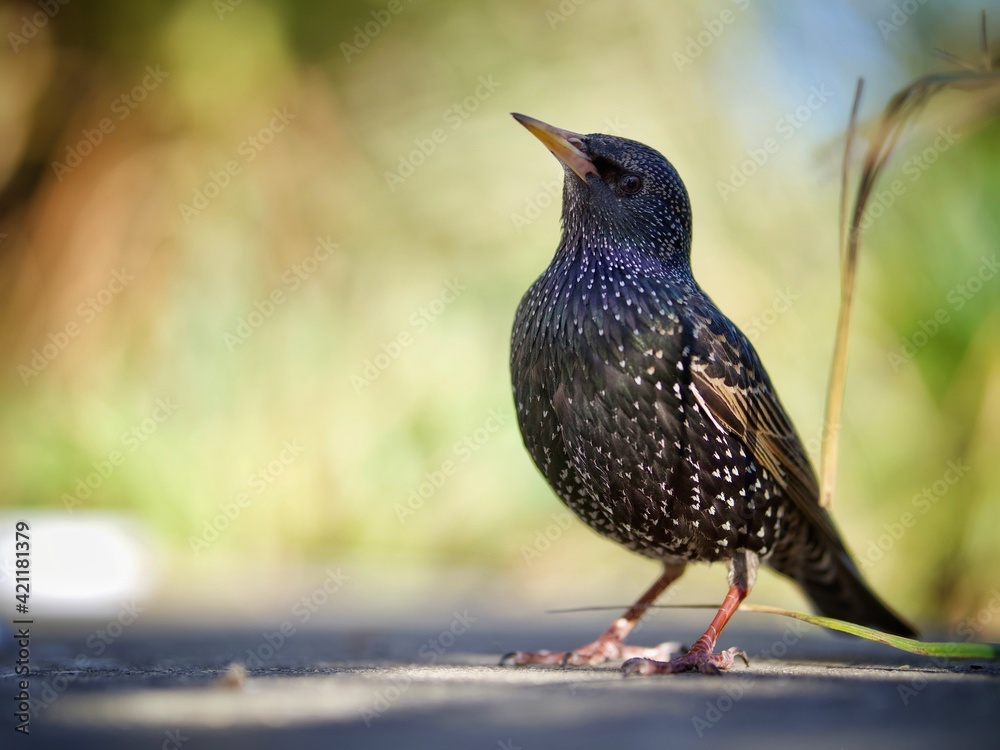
(740, 397)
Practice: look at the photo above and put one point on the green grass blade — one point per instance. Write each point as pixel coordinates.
(949, 650)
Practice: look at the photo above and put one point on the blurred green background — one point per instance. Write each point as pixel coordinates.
(260, 261)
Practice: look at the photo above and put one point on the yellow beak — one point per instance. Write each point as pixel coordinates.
(566, 146)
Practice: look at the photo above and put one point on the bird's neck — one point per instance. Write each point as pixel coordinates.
(592, 289)
(614, 256)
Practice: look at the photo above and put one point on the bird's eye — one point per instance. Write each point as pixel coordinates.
(630, 184)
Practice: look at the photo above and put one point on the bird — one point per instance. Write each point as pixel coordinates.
(651, 416)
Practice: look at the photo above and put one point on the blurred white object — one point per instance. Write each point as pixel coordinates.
(80, 564)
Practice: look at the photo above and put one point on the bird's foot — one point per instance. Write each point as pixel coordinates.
(701, 660)
(599, 651)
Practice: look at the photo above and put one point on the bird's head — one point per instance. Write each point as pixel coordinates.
(619, 194)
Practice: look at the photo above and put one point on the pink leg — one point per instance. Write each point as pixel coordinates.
(609, 644)
(701, 657)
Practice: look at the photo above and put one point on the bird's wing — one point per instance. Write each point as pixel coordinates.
(733, 385)
(635, 434)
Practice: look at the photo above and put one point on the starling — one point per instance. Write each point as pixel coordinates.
(651, 416)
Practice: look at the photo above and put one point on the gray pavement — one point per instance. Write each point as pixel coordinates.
(439, 687)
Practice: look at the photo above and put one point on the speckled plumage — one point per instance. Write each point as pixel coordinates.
(646, 409)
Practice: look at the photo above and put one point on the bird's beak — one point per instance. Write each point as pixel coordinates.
(568, 147)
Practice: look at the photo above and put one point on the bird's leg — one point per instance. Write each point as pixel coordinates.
(702, 657)
(609, 644)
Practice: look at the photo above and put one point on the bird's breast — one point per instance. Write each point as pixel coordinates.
(608, 408)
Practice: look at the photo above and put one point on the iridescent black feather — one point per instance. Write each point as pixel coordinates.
(648, 411)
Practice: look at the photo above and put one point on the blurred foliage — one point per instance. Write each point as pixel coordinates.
(328, 219)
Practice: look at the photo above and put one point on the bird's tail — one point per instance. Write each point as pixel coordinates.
(835, 586)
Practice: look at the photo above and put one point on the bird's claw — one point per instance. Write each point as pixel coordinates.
(704, 662)
(590, 655)
(549, 658)
(523, 658)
